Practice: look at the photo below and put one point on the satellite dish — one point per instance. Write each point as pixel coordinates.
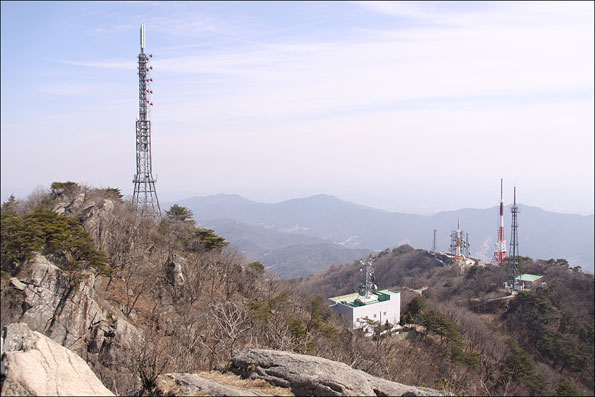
(361, 290)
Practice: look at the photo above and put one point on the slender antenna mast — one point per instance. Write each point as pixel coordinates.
(434, 243)
(142, 38)
(513, 259)
(500, 252)
(458, 244)
(144, 196)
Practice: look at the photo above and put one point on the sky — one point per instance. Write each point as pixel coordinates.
(413, 107)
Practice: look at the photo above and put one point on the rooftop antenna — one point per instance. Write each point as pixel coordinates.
(366, 288)
(144, 196)
(500, 252)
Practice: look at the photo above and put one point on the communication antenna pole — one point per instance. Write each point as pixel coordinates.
(457, 244)
(513, 259)
(500, 252)
(368, 287)
(144, 196)
(434, 243)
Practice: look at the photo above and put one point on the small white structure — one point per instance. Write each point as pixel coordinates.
(360, 311)
(523, 282)
(528, 280)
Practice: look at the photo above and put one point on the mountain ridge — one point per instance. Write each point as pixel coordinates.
(542, 234)
(285, 253)
(221, 196)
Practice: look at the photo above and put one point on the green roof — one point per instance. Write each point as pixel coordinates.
(349, 299)
(528, 277)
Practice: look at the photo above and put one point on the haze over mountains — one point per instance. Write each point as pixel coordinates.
(286, 254)
(301, 236)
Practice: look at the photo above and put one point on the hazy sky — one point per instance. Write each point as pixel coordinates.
(413, 107)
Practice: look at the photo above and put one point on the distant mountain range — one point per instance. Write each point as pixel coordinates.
(289, 255)
(306, 235)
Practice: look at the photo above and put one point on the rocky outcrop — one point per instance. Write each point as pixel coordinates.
(383, 387)
(96, 217)
(36, 365)
(67, 311)
(57, 306)
(311, 375)
(195, 385)
(287, 374)
(173, 270)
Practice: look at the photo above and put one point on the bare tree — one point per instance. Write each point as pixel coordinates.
(149, 358)
(136, 280)
(187, 352)
(36, 198)
(232, 322)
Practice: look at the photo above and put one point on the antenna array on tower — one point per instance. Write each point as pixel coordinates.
(459, 246)
(366, 288)
(144, 196)
(513, 259)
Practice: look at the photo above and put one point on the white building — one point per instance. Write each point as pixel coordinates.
(523, 282)
(380, 306)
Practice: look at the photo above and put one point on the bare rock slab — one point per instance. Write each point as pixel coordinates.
(195, 385)
(316, 376)
(38, 366)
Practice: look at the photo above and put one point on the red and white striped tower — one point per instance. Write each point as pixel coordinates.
(500, 253)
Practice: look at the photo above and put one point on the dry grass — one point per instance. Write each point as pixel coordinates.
(170, 388)
(254, 385)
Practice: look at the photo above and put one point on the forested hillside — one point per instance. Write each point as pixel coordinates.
(136, 296)
(539, 342)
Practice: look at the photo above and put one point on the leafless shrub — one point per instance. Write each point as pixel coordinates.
(231, 321)
(149, 358)
(35, 199)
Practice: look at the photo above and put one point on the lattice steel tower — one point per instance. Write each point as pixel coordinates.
(144, 196)
(513, 258)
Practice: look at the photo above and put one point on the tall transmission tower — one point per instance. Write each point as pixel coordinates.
(144, 196)
(434, 242)
(500, 252)
(513, 259)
